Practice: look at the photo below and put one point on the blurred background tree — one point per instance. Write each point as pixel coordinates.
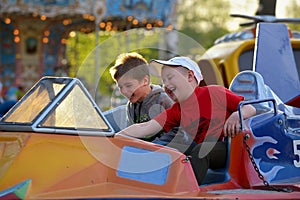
(293, 10)
(202, 20)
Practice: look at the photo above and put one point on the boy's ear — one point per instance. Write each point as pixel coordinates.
(191, 75)
(146, 80)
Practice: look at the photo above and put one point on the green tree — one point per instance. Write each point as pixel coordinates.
(203, 20)
(293, 11)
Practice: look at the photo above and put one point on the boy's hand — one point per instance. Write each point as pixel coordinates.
(232, 125)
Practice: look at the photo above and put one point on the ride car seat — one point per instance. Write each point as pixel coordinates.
(251, 86)
(220, 175)
(117, 117)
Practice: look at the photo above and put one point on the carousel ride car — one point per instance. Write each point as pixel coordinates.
(57, 144)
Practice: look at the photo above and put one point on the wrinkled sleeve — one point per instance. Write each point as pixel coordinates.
(224, 97)
(169, 118)
(233, 100)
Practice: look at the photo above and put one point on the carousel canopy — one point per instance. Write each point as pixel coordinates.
(119, 14)
(34, 32)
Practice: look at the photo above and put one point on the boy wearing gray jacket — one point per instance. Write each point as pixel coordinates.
(145, 100)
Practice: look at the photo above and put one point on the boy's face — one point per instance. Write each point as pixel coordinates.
(176, 82)
(133, 89)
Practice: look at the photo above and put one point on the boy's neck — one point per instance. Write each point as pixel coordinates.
(147, 91)
(189, 91)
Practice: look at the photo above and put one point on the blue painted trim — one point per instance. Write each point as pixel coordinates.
(144, 165)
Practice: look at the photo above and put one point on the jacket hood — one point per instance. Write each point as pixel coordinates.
(153, 104)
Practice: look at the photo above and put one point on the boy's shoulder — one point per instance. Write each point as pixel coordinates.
(156, 88)
(212, 88)
(158, 94)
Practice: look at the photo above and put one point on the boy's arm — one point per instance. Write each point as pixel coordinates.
(232, 124)
(141, 130)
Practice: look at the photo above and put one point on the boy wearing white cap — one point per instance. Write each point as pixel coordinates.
(207, 114)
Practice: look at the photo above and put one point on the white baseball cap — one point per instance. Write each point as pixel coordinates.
(156, 66)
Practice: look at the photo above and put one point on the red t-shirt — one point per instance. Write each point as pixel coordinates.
(203, 113)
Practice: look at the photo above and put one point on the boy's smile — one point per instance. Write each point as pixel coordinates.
(133, 89)
(176, 81)
(170, 93)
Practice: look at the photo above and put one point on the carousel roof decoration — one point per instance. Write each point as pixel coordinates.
(114, 14)
(34, 32)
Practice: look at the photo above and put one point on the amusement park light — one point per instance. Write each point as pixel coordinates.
(108, 28)
(47, 33)
(170, 27)
(45, 40)
(64, 61)
(67, 21)
(35, 14)
(17, 39)
(16, 32)
(92, 18)
(149, 26)
(135, 22)
(7, 20)
(72, 34)
(130, 18)
(43, 17)
(85, 30)
(160, 23)
(64, 41)
(86, 16)
(102, 24)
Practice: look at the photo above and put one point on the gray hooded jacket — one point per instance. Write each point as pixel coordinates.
(153, 104)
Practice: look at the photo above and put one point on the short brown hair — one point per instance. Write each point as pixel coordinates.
(132, 64)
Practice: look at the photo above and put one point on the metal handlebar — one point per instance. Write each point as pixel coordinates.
(254, 102)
